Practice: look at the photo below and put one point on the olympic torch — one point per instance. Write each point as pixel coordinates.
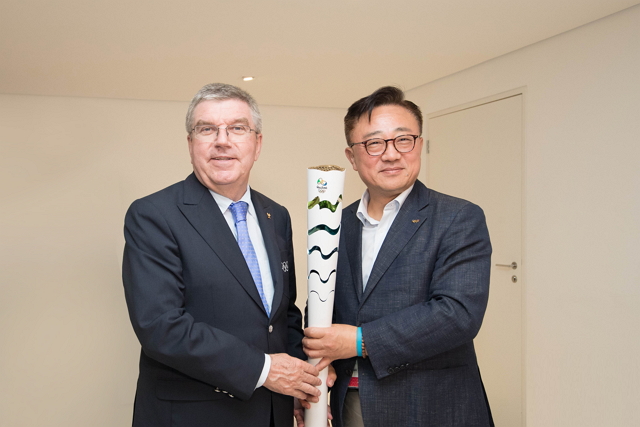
(324, 194)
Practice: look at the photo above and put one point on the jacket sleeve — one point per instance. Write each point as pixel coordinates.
(294, 316)
(455, 306)
(154, 289)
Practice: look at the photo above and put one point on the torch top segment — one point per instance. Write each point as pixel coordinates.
(327, 168)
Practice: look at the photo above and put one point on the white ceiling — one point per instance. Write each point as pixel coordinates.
(302, 52)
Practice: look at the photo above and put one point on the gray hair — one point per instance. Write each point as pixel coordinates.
(222, 92)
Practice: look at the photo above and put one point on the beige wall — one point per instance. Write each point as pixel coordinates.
(581, 215)
(69, 169)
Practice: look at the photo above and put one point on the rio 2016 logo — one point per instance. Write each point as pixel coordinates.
(321, 185)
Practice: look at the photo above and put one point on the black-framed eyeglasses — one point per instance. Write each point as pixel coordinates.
(377, 146)
(208, 133)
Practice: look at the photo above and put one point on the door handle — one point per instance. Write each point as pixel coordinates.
(513, 265)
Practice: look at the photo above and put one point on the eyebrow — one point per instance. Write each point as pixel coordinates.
(240, 120)
(378, 132)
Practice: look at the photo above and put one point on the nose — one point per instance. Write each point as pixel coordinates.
(222, 138)
(390, 152)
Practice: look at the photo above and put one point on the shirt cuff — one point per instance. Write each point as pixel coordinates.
(265, 371)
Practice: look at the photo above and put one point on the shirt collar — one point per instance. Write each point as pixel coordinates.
(396, 204)
(224, 202)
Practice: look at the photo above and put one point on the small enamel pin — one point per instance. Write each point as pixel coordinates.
(285, 266)
(415, 221)
(268, 215)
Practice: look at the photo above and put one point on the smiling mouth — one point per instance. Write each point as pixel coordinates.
(222, 158)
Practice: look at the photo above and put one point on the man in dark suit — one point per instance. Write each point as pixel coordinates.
(210, 284)
(412, 285)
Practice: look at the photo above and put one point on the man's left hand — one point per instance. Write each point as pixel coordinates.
(329, 344)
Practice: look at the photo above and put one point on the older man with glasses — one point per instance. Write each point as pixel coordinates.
(210, 284)
(412, 285)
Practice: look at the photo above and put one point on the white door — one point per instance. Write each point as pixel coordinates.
(476, 153)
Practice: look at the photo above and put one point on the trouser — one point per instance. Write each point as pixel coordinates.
(352, 414)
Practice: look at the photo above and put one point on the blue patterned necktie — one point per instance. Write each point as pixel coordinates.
(239, 211)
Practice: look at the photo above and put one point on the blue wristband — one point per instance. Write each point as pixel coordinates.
(359, 342)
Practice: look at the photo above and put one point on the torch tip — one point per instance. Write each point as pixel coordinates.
(327, 168)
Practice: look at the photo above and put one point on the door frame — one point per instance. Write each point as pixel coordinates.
(523, 273)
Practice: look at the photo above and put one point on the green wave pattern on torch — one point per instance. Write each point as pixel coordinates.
(323, 227)
(324, 204)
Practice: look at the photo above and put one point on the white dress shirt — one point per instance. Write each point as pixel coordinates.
(374, 232)
(255, 234)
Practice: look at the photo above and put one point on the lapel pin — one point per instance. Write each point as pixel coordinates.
(268, 215)
(415, 221)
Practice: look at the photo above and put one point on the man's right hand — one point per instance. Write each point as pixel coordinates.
(293, 377)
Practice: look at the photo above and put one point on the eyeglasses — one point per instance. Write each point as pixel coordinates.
(209, 133)
(377, 146)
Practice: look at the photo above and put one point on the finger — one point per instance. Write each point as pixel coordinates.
(311, 343)
(330, 381)
(311, 380)
(331, 376)
(313, 399)
(309, 390)
(314, 332)
(301, 395)
(310, 369)
(323, 363)
(304, 404)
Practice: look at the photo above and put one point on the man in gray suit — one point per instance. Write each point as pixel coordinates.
(412, 285)
(210, 284)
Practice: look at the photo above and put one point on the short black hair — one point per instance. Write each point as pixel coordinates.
(387, 95)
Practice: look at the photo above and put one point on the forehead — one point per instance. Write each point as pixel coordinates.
(386, 119)
(224, 111)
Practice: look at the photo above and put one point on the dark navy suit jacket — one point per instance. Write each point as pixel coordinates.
(422, 307)
(197, 313)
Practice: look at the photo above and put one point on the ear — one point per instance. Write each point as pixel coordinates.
(258, 147)
(190, 145)
(419, 143)
(351, 157)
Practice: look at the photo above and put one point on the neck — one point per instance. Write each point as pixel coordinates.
(230, 191)
(376, 204)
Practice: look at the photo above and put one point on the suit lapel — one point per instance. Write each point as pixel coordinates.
(410, 218)
(203, 213)
(352, 229)
(273, 251)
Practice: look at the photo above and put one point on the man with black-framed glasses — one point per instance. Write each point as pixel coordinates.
(412, 285)
(210, 284)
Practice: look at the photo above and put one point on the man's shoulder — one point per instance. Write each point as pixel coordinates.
(166, 194)
(446, 209)
(447, 201)
(162, 200)
(266, 202)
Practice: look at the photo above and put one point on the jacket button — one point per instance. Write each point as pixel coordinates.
(270, 328)
(390, 370)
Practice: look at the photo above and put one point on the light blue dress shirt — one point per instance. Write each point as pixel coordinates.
(255, 234)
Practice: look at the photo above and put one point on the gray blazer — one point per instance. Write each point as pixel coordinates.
(421, 309)
(197, 313)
